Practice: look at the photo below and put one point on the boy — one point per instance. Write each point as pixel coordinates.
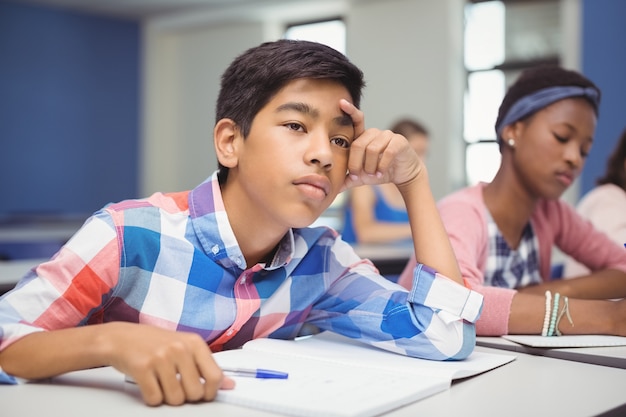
(151, 286)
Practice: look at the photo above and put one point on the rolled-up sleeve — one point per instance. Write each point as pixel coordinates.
(451, 300)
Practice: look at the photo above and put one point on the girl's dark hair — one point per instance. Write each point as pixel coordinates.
(255, 76)
(407, 127)
(538, 78)
(615, 170)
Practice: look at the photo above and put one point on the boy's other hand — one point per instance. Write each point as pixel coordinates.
(378, 156)
(168, 367)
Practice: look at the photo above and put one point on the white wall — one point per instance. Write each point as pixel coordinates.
(410, 51)
(182, 74)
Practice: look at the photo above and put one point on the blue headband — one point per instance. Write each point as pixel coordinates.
(542, 98)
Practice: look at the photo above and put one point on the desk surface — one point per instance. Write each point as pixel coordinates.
(614, 356)
(390, 259)
(388, 252)
(530, 385)
(13, 271)
(37, 232)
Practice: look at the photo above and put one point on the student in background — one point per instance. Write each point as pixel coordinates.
(151, 286)
(605, 205)
(377, 214)
(503, 232)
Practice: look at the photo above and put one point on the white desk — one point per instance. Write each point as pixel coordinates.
(390, 259)
(60, 230)
(614, 356)
(528, 386)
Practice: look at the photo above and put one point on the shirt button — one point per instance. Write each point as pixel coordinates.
(230, 332)
(215, 249)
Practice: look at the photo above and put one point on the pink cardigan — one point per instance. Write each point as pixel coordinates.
(555, 222)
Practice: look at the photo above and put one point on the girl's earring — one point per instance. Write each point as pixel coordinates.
(511, 142)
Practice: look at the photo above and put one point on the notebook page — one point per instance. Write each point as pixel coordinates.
(318, 388)
(340, 349)
(567, 341)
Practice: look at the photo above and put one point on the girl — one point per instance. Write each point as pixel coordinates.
(503, 232)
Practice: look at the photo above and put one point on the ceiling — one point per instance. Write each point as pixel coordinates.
(142, 9)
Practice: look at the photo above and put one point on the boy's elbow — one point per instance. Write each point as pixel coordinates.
(456, 341)
(467, 341)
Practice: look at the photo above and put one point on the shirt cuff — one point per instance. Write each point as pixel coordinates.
(443, 294)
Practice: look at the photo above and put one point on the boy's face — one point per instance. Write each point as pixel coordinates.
(293, 163)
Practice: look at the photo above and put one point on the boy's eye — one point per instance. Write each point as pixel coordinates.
(294, 126)
(342, 142)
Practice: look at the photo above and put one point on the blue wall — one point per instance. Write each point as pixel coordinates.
(69, 110)
(604, 62)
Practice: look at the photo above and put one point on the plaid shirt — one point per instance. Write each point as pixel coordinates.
(512, 268)
(172, 260)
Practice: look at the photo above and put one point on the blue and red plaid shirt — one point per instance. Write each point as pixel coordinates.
(172, 260)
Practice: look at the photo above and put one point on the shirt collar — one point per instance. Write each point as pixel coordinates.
(212, 228)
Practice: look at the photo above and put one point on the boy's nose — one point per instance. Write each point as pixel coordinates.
(319, 151)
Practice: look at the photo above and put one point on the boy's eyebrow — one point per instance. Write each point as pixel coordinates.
(299, 107)
(343, 120)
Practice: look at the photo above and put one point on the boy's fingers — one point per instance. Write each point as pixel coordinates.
(367, 153)
(213, 376)
(150, 389)
(173, 392)
(357, 116)
(190, 379)
(227, 383)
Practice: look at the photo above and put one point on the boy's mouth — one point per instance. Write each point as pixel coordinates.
(314, 186)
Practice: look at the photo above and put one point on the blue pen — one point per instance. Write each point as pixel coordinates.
(256, 373)
(251, 373)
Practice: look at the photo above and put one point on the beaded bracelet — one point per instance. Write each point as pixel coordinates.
(564, 310)
(546, 318)
(555, 310)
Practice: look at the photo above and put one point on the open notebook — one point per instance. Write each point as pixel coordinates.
(603, 350)
(330, 375)
(568, 341)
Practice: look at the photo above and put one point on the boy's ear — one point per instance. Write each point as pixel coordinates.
(226, 137)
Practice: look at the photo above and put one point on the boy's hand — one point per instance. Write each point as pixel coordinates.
(169, 367)
(377, 156)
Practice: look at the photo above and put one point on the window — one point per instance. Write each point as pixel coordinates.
(502, 38)
(328, 32)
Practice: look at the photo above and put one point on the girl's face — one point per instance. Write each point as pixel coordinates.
(552, 145)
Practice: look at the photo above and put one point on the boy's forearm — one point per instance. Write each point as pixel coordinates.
(430, 240)
(46, 354)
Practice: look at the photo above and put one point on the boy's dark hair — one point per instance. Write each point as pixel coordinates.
(407, 127)
(254, 77)
(539, 78)
(615, 168)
